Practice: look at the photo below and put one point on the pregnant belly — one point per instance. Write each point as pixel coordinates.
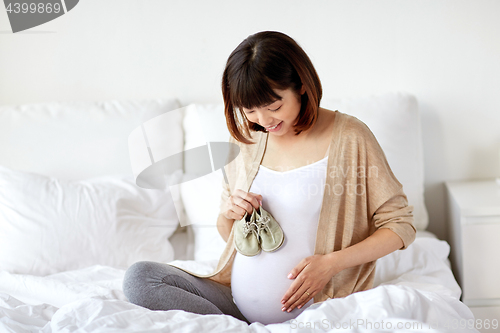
(259, 283)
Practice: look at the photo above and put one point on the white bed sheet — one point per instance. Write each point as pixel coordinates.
(412, 287)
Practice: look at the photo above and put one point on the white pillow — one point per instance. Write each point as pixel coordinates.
(49, 225)
(201, 199)
(425, 261)
(395, 121)
(201, 196)
(76, 139)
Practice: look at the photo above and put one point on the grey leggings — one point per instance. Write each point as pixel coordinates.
(158, 286)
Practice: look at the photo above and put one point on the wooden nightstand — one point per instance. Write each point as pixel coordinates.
(474, 233)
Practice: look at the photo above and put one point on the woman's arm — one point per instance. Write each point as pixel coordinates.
(382, 242)
(395, 231)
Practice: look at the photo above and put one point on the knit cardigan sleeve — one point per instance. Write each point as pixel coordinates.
(396, 215)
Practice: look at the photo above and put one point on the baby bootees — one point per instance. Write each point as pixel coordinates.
(246, 238)
(271, 235)
(257, 231)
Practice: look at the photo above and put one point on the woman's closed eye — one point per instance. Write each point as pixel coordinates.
(269, 110)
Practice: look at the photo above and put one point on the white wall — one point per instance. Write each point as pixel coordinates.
(446, 53)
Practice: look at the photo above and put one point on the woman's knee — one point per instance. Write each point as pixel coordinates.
(135, 279)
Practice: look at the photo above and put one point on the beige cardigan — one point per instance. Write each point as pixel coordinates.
(361, 195)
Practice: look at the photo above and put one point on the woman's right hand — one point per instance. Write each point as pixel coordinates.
(240, 202)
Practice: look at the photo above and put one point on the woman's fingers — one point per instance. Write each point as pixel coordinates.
(299, 297)
(302, 300)
(235, 208)
(309, 297)
(258, 197)
(255, 199)
(243, 204)
(247, 200)
(238, 212)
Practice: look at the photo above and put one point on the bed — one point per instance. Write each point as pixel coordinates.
(72, 219)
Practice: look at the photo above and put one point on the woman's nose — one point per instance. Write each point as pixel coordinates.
(264, 120)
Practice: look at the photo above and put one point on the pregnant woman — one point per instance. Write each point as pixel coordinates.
(322, 176)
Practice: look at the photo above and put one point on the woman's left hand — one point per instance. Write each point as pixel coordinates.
(311, 275)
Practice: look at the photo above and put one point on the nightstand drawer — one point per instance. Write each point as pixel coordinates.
(481, 261)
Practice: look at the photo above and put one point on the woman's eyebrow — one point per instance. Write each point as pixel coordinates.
(271, 103)
(268, 104)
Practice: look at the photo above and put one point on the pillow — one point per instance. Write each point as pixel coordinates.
(49, 225)
(394, 120)
(425, 261)
(201, 196)
(75, 140)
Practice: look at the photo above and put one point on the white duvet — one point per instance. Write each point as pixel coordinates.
(415, 291)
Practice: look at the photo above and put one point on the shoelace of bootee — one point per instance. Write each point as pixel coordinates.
(262, 223)
(249, 227)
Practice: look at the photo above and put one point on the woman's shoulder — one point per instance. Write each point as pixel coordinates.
(353, 128)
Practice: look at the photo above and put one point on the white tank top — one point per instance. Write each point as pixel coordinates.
(294, 199)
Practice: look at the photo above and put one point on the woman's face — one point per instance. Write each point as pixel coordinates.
(282, 112)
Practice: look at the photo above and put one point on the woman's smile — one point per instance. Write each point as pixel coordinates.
(274, 128)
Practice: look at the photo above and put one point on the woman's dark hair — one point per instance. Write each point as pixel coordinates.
(262, 62)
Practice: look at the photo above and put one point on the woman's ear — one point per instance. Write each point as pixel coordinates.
(302, 90)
